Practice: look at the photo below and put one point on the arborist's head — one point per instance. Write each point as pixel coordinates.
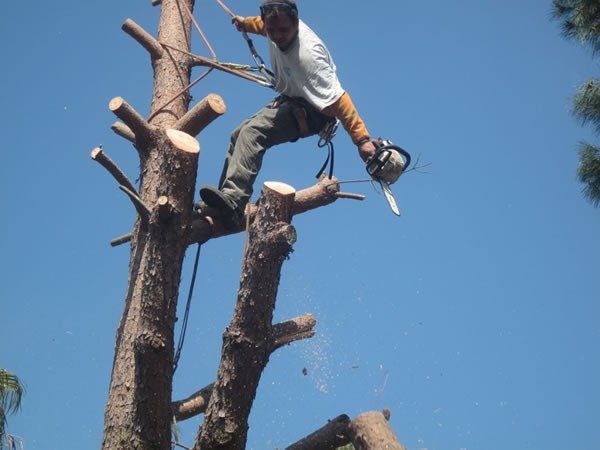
(281, 21)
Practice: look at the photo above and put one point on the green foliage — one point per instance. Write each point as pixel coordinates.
(586, 106)
(11, 393)
(589, 172)
(581, 21)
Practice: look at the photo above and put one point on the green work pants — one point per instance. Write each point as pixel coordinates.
(272, 125)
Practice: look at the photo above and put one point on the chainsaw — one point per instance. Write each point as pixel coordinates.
(386, 166)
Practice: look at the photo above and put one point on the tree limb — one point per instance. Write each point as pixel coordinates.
(99, 156)
(350, 196)
(369, 431)
(143, 38)
(138, 125)
(329, 437)
(296, 329)
(323, 193)
(201, 115)
(140, 206)
(120, 240)
(124, 131)
(283, 333)
(193, 405)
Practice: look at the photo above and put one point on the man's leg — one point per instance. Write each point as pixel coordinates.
(268, 127)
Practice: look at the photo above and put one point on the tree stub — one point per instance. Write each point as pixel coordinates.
(144, 38)
(183, 141)
(329, 437)
(371, 431)
(201, 115)
(124, 111)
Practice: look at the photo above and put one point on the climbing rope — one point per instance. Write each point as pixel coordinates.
(240, 70)
(186, 314)
(260, 63)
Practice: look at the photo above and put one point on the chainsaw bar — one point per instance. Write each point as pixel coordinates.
(389, 196)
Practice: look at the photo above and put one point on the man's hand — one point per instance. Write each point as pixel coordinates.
(238, 21)
(366, 150)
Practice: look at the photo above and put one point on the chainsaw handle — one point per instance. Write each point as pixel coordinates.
(400, 150)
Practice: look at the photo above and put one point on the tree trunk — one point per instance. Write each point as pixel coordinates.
(139, 410)
(248, 340)
(283, 334)
(138, 414)
(371, 431)
(329, 437)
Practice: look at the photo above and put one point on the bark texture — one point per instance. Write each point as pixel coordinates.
(139, 410)
(138, 413)
(248, 340)
(371, 431)
(329, 437)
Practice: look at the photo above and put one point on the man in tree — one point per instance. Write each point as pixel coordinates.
(311, 97)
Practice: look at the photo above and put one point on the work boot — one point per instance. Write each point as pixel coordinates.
(202, 209)
(231, 215)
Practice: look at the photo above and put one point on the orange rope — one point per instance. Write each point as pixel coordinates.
(193, 19)
(201, 77)
(180, 93)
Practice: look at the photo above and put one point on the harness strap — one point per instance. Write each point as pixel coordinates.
(301, 119)
(260, 63)
(326, 134)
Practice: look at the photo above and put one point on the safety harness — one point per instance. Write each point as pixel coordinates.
(326, 134)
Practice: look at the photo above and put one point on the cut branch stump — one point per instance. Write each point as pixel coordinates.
(136, 123)
(143, 38)
(329, 437)
(371, 431)
(201, 115)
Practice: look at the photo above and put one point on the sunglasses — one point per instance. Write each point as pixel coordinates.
(269, 7)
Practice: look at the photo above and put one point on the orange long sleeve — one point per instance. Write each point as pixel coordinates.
(255, 25)
(344, 110)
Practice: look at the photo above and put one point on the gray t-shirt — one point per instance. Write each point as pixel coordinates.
(306, 70)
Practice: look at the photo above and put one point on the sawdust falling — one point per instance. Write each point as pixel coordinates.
(316, 362)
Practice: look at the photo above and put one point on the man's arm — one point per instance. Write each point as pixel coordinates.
(253, 25)
(345, 111)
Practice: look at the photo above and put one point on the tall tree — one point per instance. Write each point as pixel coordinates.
(11, 393)
(139, 411)
(581, 21)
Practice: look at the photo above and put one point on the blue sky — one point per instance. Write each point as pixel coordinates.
(474, 317)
